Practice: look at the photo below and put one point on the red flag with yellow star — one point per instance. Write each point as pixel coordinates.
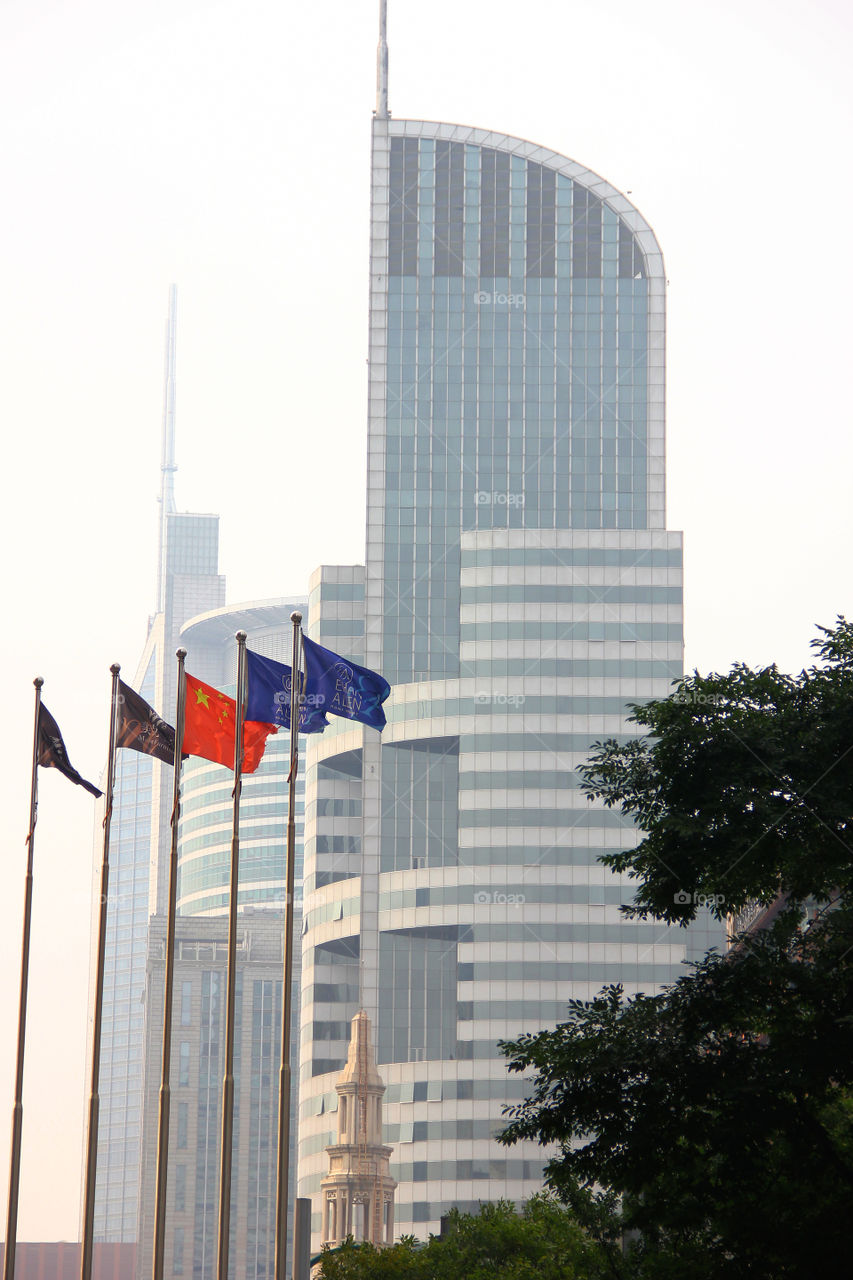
(209, 727)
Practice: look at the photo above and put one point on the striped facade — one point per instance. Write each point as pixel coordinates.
(519, 589)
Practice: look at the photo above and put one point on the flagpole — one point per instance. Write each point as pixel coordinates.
(284, 1082)
(18, 1108)
(228, 1078)
(94, 1099)
(165, 1088)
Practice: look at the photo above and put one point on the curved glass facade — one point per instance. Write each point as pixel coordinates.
(523, 307)
(204, 865)
(205, 833)
(519, 589)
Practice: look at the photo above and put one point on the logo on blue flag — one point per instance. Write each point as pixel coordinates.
(343, 688)
(269, 696)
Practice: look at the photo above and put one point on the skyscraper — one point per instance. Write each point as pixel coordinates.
(191, 611)
(198, 1041)
(188, 581)
(520, 587)
(192, 1218)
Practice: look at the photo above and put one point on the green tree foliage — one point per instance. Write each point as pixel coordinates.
(719, 1111)
(743, 784)
(542, 1242)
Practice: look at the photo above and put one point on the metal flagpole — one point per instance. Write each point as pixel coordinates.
(94, 1100)
(18, 1108)
(283, 1171)
(228, 1078)
(165, 1090)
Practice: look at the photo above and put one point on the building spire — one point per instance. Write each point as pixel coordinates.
(382, 63)
(358, 1190)
(167, 464)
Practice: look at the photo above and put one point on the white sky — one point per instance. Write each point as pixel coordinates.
(225, 146)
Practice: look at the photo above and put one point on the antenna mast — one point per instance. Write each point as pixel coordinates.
(382, 63)
(167, 464)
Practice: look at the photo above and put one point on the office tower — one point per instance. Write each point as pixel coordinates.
(192, 1217)
(198, 1044)
(191, 612)
(204, 845)
(188, 581)
(520, 587)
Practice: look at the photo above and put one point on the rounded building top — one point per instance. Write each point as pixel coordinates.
(218, 624)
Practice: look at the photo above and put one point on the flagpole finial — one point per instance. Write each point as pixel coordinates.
(115, 668)
(38, 682)
(181, 653)
(240, 636)
(296, 617)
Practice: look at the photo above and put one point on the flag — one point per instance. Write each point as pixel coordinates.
(210, 725)
(269, 696)
(52, 753)
(140, 727)
(343, 688)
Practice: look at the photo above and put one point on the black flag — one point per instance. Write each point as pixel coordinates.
(140, 727)
(52, 753)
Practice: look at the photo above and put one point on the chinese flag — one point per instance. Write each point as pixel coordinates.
(209, 726)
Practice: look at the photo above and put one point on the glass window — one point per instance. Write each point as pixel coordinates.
(184, 1066)
(183, 1125)
(178, 1252)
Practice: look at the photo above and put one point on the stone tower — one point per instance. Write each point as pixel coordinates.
(358, 1190)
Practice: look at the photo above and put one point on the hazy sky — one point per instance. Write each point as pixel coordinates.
(225, 146)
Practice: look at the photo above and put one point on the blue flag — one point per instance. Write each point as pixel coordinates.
(343, 688)
(269, 696)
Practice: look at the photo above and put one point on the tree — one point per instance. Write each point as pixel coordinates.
(743, 784)
(541, 1242)
(719, 1111)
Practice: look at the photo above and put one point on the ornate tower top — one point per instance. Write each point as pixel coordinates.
(361, 1063)
(358, 1190)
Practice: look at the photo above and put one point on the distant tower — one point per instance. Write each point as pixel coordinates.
(167, 465)
(358, 1190)
(188, 583)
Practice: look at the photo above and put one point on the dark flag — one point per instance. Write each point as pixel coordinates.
(140, 727)
(343, 688)
(269, 696)
(52, 753)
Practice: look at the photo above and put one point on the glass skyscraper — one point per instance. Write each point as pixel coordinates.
(191, 612)
(204, 859)
(188, 582)
(520, 587)
(140, 832)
